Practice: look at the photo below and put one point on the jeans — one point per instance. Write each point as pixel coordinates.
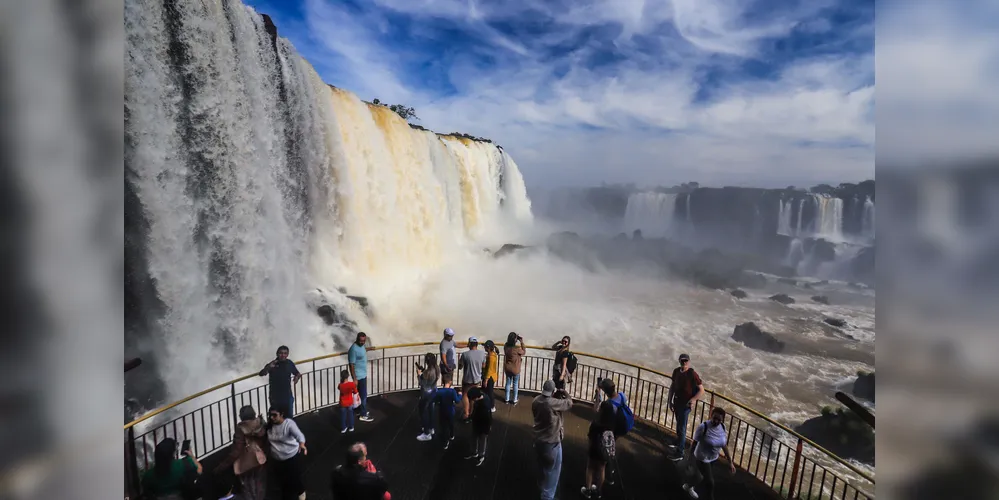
(487, 392)
(427, 411)
(512, 380)
(446, 419)
(681, 426)
(362, 390)
(346, 417)
(708, 480)
(550, 458)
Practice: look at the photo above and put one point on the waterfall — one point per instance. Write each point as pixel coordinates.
(652, 213)
(258, 182)
(795, 253)
(867, 219)
(828, 222)
(801, 211)
(784, 218)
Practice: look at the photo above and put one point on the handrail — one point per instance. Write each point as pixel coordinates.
(542, 348)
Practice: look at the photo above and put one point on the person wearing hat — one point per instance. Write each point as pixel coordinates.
(449, 354)
(548, 433)
(472, 363)
(684, 391)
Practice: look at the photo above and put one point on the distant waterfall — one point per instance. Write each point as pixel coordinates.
(652, 213)
(258, 182)
(801, 212)
(784, 218)
(867, 219)
(828, 221)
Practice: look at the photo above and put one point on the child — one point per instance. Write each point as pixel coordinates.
(347, 390)
(482, 420)
(447, 398)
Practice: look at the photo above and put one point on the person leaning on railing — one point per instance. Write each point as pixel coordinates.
(685, 389)
(562, 370)
(282, 374)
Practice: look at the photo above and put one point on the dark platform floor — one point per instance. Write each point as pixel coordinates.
(424, 470)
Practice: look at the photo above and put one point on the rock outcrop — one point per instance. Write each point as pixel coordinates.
(753, 337)
(863, 387)
(821, 299)
(739, 294)
(838, 323)
(782, 298)
(507, 249)
(841, 432)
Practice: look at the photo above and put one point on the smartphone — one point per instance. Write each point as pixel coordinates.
(186, 445)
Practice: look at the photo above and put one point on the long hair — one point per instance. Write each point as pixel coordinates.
(430, 373)
(276, 410)
(163, 456)
(511, 340)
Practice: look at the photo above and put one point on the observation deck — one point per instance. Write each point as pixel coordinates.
(772, 461)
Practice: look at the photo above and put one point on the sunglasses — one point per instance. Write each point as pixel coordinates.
(685, 361)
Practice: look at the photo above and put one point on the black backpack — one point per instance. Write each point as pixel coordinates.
(571, 362)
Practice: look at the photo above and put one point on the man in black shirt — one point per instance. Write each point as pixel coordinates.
(684, 390)
(283, 374)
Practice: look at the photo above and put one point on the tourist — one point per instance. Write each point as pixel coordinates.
(427, 375)
(548, 433)
(513, 357)
(482, 421)
(564, 363)
(358, 479)
(283, 374)
(357, 356)
(246, 456)
(490, 374)
(709, 438)
(170, 478)
(601, 440)
(684, 390)
(449, 354)
(447, 398)
(287, 450)
(347, 390)
(472, 362)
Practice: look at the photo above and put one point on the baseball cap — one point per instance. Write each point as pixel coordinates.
(684, 356)
(472, 340)
(449, 332)
(548, 388)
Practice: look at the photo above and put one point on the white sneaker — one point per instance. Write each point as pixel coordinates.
(365, 418)
(423, 437)
(494, 409)
(431, 432)
(343, 431)
(350, 430)
(690, 490)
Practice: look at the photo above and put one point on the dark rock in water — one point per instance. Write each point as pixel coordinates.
(637, 235)
(739, 294)
(821, 250)
(788, 281)
(362, 301)
(328, 314)
(838, 323)
(342, 289)
(863, 387)
(751, 280)
(710, 280)
(807, 286)
(507, 249)
(841, 432)
(782, 298)
(751, 336)
(821, 299)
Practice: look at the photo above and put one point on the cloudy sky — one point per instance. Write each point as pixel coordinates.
(733, 92)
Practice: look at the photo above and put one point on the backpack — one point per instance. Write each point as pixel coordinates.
(624, 418)
(571, 362)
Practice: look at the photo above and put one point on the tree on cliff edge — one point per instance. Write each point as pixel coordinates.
(405, 112)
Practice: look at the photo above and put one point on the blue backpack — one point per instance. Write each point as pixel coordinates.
(624, 418)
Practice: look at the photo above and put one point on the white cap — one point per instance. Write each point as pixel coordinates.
(473, 340)
(449, 332)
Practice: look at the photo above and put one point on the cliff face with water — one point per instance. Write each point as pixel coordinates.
(250, 182)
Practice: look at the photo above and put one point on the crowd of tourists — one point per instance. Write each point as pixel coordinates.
(269, 453)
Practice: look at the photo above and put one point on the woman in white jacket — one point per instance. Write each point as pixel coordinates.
(709, 439)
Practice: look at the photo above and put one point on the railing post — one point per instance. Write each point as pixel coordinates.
(235, 411)
(133, 490)
(794, 471)
(712, 401)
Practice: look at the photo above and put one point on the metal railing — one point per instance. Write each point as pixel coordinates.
(784, 460)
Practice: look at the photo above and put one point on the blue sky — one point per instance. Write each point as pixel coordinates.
(724, 92)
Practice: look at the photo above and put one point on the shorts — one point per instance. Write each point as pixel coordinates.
(602, 447)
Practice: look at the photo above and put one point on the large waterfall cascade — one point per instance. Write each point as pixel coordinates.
(650, 212)
(867, 219)
(259, 182)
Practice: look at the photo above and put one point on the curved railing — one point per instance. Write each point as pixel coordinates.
(786, 461)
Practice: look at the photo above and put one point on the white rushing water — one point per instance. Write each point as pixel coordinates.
(828, 222)
(260, 182)
(784, 218)
(867, 219)
(652, 213)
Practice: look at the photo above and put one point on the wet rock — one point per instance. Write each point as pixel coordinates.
(863, 387)
(361, 301)
(328, 314)
(342, 289)
(751, 336)
(751, 280)
(842, 432)
(782, 298)
(820, 249)
(739, 294)
(838, 323)
(821, 299)
(507, 249)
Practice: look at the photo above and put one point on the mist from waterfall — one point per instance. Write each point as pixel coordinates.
(828, 221)
(867, 219)
(650, 212)
(784, 218)
(257, 182)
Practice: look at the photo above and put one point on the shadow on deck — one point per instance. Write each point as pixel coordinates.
(424, 470)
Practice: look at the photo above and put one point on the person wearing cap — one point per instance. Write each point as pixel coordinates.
(472, 363)
(548, 433)
(683, 393)
(449, 354)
